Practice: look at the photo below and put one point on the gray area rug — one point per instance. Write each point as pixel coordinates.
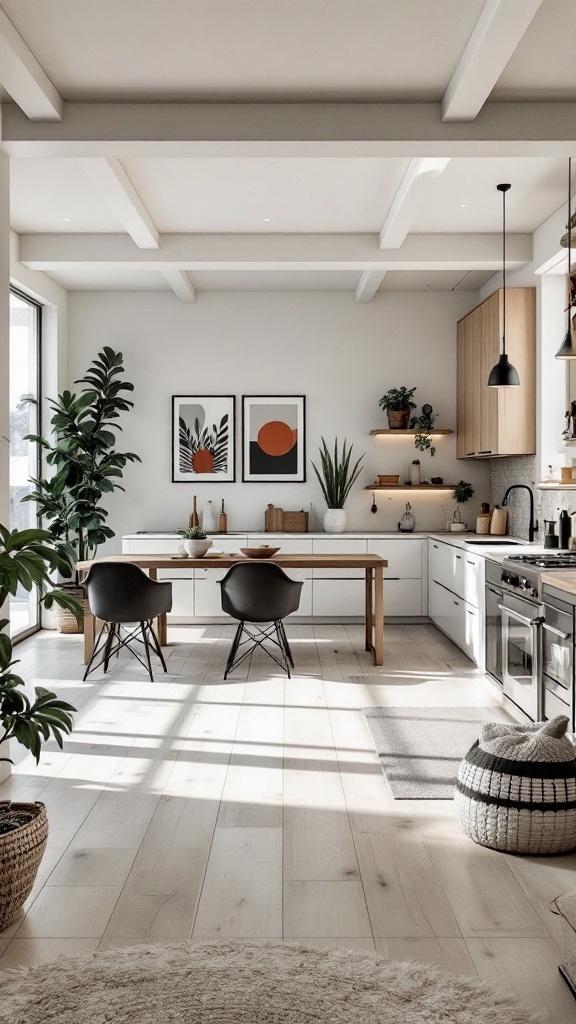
(247, 983)
(420, 749)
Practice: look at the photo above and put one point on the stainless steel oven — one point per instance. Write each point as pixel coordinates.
(522, 653)
(558, 658)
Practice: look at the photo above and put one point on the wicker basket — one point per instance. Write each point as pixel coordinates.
(21, 851)
(66, 621)
(516, 788)
(295, 522)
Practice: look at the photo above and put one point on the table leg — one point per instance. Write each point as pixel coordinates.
(160, 623)
(368, 622)
(89, 635)
(378, 615)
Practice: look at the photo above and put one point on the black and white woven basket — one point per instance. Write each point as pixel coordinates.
(516, 788)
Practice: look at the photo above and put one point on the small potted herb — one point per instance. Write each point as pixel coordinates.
(462, 493)
(398, 404)
(195, 542)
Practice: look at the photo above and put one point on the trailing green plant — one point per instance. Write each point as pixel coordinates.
(461, 494)
(336, 476)
(424, 424)
(194, 533)
(398, 398)
(27, 558)
(82, 451)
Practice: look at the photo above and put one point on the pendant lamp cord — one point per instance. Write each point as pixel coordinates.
(569, 237)
(503, 272)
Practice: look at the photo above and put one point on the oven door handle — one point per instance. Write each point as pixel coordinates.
(557, 632)
(521, 618)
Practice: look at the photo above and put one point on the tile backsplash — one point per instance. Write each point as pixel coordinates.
(547, 504)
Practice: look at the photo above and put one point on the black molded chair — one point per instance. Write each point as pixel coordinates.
(254, 593)
(119, 593)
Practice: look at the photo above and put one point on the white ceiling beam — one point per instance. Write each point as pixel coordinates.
(180, 283)
(281, 252)
(402, 130)
(23, 78)
(499, 29)
(110, 180)
(368, 285)
(414, 188)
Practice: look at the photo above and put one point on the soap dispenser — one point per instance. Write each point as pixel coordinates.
(550, 538)
(564, 529)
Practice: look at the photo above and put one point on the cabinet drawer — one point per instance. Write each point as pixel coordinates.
(402, 597)
(473, 579)
(207, 595)
(332, 598)
(231, 545)
(405, 557)
(554, 706)
(182, 597)
(338, 547)
(446, 565)
(167, 546)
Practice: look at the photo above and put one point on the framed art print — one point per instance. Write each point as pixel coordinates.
(203, 438)
(273, 438)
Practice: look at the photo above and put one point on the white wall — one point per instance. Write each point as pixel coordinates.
(343, 356)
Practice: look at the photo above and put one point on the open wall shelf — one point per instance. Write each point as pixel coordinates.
(412, 487)
(407, 433)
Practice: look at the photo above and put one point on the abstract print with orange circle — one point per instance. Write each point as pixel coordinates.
(273, 440)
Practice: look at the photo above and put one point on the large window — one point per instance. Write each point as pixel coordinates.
(24, 419)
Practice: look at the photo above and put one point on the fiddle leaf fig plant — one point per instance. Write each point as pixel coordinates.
(82, 451)
(424, 424)
(27, 558)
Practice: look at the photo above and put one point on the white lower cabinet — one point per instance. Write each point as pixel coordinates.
(326, 593)
(455, 596)
(182, 581)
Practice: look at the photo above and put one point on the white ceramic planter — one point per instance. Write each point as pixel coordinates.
(334, 520)
(196, 548)
(457, 527)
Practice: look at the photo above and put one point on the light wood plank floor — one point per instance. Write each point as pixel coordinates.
(257, 808)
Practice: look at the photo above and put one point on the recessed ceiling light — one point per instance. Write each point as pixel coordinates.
(67, 218)
(462, 205)
(267, 220)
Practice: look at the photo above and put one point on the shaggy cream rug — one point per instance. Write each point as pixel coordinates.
(247, 983)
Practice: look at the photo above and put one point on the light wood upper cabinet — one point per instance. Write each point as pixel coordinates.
(497, 421)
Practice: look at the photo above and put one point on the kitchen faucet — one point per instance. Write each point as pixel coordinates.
(533, 526)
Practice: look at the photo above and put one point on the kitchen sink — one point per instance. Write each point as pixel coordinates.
(507, 543)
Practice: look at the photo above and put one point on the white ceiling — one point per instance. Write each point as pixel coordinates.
(109, 196)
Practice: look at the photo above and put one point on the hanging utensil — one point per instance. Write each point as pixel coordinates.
(374, 505)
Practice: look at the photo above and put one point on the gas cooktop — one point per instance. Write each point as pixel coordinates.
(547, 560)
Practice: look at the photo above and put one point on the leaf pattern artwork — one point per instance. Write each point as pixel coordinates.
(201, 449)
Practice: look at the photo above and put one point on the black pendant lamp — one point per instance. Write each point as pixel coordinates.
(503, 374)
(567, 349)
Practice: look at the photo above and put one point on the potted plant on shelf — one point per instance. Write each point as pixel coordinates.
(27, 557)
(398, 403)
(462, 493)
(424, 424)
(87, 466)
(195, 542)
(336, 477)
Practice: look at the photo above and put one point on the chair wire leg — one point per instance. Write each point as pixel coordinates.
(96, 651)
(112, 627)
(147, 649)
(233, 649)
(156, 644)
(282, 646)
(286, 644)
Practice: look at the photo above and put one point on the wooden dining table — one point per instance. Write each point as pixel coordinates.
(373, 566)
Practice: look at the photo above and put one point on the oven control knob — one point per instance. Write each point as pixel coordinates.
(505, 577)
(514, 580)
(526, 584)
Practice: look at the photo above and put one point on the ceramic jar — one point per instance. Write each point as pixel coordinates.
(334, 520)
